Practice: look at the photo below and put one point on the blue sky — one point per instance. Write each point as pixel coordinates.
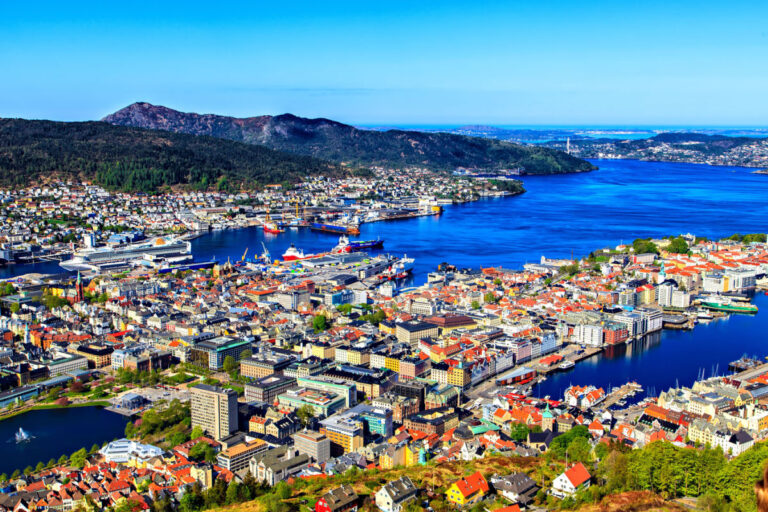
(675, 62)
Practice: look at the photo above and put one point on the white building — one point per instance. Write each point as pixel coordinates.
(123, 451)
(590, 335)
(574, 479)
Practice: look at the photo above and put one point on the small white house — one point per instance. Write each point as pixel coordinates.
(393, 495)
(574, 479)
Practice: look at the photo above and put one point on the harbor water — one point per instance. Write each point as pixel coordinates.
(566, 215)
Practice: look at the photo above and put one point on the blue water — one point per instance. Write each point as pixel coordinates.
(564, 215)
(56, 432)
(558, 216)
(669, 358)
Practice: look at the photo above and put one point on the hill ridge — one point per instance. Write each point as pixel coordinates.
(338, 142)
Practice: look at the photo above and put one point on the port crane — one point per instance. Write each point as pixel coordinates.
(244, 254)
(265, 256)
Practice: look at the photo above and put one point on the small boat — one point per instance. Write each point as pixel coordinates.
(567, 365)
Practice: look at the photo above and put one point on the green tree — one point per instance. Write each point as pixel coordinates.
(319, 323)
(579, 450)
(62, 460)
(51, 463)
(78, 458)
(644, 246)
(15, 307)
(202, 451)
(519, 432)
(570, 270)
(16, 474)
(229, 364)
(246, 354)
(282, 491)
(177, 438)
(192, 500)
(475, 304)
(344, 309)
(28, 470)
(678, 245)
(305, 414)
(233, 493)
(197, 431)
(40, 466)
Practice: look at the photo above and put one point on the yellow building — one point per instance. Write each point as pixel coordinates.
(468, 490)
(411, 455)
(459, 377)
(392, 457)
(358, 357)
(344, 433)
(324, 351)
(393, 364)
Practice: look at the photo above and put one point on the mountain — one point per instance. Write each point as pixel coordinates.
(676, 147)
(338, 142)
(135, 159)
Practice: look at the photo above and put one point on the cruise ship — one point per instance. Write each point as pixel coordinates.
(97, 257)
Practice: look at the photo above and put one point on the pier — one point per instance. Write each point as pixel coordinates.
(616, 395)
(570, 352)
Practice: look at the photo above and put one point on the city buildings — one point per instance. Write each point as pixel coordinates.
(239, 456)
(314, 444)
(214, 409)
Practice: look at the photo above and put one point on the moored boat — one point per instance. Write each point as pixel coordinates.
(347, 245)
(271, 227)
(728, 306)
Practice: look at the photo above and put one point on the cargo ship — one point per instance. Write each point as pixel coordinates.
(347, 245)
(294, 254)
(345, 229)
(93, 258)
(728, 306)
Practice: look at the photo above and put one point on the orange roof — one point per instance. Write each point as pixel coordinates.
(578, 474)
(472, 484)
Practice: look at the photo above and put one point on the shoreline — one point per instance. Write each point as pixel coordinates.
(97, 403)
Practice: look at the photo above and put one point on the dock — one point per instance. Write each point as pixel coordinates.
(672, 321)
(568, 352)
(615, 395)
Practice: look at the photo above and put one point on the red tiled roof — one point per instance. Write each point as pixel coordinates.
(578, 474)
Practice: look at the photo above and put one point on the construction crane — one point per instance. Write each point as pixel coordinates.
(244, 254)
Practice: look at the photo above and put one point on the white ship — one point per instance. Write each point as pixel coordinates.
(94, 258)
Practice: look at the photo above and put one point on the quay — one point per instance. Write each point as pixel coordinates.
(570, 352)
(672, 321)
(619, 394)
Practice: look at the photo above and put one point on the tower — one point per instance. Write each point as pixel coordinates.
(568, 145)
(547, 420)
(79, 292)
